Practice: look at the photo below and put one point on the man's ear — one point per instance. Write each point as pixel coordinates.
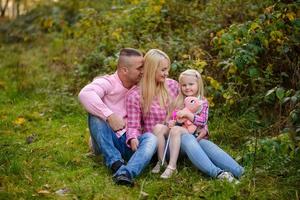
(124, 69)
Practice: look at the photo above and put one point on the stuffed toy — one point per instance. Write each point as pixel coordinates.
(193, 105)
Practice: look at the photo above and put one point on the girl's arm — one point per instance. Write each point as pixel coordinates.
(200, 119)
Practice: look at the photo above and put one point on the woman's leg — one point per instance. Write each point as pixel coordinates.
(175, 140)
(220, 158)
(198, 157)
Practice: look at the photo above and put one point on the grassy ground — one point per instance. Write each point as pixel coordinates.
(44, 151)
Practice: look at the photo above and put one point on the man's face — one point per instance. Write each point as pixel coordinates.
(135, 70)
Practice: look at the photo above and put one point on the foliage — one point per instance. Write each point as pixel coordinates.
(247, 52)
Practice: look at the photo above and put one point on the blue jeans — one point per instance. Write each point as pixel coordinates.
(113, 148)
(208, 157)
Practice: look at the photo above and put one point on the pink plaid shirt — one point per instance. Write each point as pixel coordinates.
(135, 117)
(201, 118)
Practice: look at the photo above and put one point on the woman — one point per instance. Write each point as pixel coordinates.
(147, 104)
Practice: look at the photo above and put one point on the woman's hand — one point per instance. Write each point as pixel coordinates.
(134, 144)
(202, 134)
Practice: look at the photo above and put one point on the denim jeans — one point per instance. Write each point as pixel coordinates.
(208, 157)
(113, 148)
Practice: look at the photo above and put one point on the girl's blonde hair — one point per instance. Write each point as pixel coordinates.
(149, 87)
(178, 103)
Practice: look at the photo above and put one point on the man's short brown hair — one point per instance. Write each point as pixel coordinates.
(130, 52)
(124, 55)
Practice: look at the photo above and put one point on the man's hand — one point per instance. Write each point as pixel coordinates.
(116, 122)
(134, 144)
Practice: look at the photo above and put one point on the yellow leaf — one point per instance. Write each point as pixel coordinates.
(200, 63)
(210, 101)
(269, 9)
(232, 69)
(227, 96)
(157, 8)
(220, 33)
(43, 192)
(185, 56)
(19, 121)
(291, 16)
(254, 26)
(215, 84)
(135, 2)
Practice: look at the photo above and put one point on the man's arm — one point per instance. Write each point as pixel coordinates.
(91, 98)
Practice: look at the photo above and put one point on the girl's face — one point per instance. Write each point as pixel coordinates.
(162, 71)
(189, 85)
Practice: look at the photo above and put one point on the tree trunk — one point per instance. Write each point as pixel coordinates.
(3, 8)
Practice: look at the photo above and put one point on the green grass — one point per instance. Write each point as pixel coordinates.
(34, 102)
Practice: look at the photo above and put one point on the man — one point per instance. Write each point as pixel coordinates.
(104, 100)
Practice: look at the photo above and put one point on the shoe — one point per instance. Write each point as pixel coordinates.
(168, 172)
(157, 167)
(226, 176)
(116, 165)
(123, 179)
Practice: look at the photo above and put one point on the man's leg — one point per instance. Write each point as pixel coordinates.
(139, 160)
(106, 140)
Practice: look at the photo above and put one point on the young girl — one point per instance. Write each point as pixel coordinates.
(204, 154)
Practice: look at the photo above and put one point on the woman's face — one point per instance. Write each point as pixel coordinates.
(162, 71)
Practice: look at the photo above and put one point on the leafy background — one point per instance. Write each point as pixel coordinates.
(247, 51)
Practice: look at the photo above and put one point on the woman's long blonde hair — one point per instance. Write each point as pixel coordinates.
(178, 103)
(150, 89)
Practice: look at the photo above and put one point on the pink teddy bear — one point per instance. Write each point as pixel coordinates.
(192, 105)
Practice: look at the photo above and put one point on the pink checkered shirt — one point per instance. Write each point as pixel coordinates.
(137, 122)
(201, 118)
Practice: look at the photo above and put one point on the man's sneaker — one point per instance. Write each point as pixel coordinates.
(123, 179)
(157, 167)
(168, 172)
(116, 165)
(226, 176)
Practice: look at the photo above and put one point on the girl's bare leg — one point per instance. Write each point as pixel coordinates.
(161, 131)
(175, 140)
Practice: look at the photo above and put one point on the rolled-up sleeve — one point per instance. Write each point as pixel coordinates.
(134, 115)
(91, 97)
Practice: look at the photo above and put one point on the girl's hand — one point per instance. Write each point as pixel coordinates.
(134, 144)
(185, 113)
(171, 123)
(181, 113)
(202, 134)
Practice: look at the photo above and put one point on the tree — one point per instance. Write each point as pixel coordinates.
(3, 7)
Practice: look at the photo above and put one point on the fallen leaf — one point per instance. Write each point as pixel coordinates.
(19, 121)
(43, 192)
